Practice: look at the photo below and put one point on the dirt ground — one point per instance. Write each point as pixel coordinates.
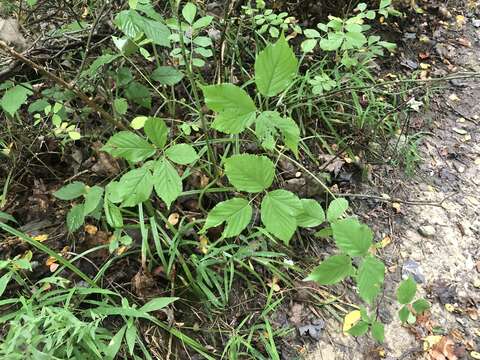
(437, 243)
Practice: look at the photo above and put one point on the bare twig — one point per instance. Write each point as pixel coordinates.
(61, 82)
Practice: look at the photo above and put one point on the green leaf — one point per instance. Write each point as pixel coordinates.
(250, 173)
(92, 199)
(420, 306)
(278, 213)
(129, 146)
(236, 213)
(71, 191)
(182, 154)
(167, 182)
(115, 343)
(131, 337)
(4, 280)
(132, 24)
(308, 45)
(75, 218)
(139, 94)
(359, 329)
(275, 68)
(354, 40)
(332, 42)
(202, 22)
(157, 32)
(113, 215)
(138, 122)
(14, 98)
(332, 270)
(270, 123)
(352, 237)
(134, 187)
(157, 304)
(406, 291)
(5, 217)
(236, 110)
(120, 105)
(167, 75)
(311, 215)
(371, 274)
(404, 314)
(336, 209)
(156, 131)
(378, 331)
(189, 12)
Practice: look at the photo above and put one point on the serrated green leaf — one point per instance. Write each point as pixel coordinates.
(167, 75)
(167, 182)
(14, 98)
(132, 24)
(336, 209)
(236, 213)
(311, 215)
(359, 329)
(134, 187)
(71, 191)
(406, 291)
(378, 331)
(420, 306)
(129, 146)
(75, 218)
(370, 277)
(156, 131)
(250, 173)
(278, 213)
(352, 237)
(332, 270)
(120, 105)
(182, 154)
(235, 109)
(275, 68)
(92, 199)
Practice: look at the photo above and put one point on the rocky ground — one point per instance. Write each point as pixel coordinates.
(437, 242)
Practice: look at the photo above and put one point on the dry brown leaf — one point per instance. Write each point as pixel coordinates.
(172, 219)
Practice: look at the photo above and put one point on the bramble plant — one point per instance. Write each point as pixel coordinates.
(411, 309)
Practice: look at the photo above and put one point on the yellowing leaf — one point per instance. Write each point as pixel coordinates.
(385, 242)
(40, 238)
(91, 229)
(449, 307)
(173, 219)
(431, 341)
(350, 320)
(203, 244)
(121, 250)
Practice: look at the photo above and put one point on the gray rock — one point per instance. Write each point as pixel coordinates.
(427, 231)
(476, 23)
(413, 269)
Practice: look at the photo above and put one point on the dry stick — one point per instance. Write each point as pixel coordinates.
(62, 83)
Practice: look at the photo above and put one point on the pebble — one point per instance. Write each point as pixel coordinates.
(427, 231)
(476, 23)
(413, 269)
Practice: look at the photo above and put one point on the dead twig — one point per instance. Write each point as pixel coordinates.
(62, 83)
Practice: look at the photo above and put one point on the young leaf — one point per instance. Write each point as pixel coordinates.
(269, 123)
(332, 270)
(14, 98)
(156, 131)
(92, 199)
(182, 154)
(129, 146)
(135, 187)
(236, 213)
(157, 304)
(120, 105)
(278, 213)
(406, 291)
(404, 314)
(352, 237)
(275, 68)
(71, 191)
(250, 173)
(236, 110)
(167, 75)
(420, 306)
(378, 331)
(75, 218)
(167, 182)
(370, 278)
(311, 215)
(336, 209)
